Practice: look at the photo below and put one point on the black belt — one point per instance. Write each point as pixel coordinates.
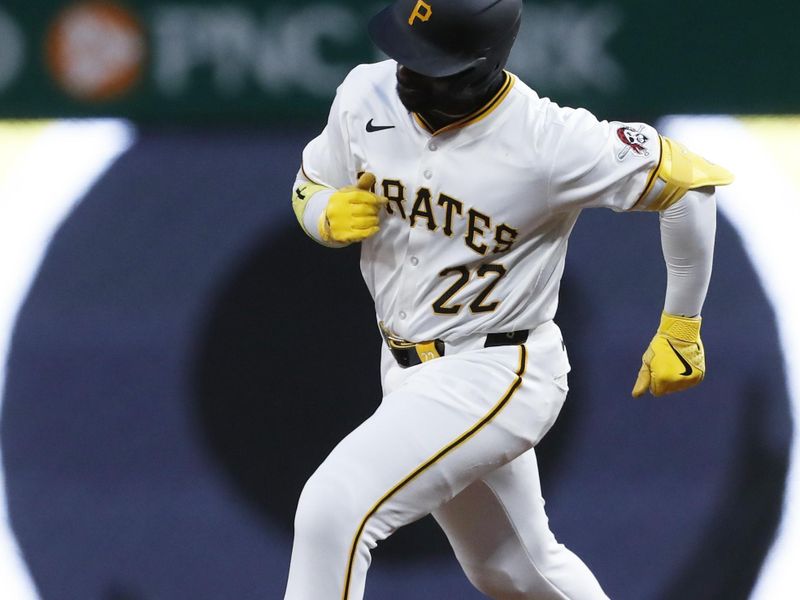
(408, 354)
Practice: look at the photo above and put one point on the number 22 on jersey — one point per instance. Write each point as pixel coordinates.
(492, 273)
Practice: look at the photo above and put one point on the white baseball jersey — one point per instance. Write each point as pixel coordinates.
(474, 236)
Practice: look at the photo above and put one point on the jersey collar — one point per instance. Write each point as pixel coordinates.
(475, 116)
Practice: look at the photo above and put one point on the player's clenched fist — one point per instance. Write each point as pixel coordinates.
(674, 360)
(352, 213)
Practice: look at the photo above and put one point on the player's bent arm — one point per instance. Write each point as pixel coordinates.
(680, 188)
(675, 358)
(336, 218)
(629, 166)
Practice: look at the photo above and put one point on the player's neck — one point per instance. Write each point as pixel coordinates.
(440, 118)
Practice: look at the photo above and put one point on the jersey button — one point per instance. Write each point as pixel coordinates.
(414, 261)
(428, 174)
(403, 315)
(433, 147)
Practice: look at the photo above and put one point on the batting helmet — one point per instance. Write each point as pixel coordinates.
(438, 38)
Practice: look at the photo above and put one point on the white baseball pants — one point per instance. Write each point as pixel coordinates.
(454, 437)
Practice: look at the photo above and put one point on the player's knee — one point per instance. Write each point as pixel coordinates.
(494, 580)
(326, 508)
(504, 581)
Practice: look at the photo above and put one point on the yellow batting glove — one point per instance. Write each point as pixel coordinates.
(352, 213)
(674, 360)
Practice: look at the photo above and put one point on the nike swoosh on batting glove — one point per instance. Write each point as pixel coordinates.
(352, 213)
(674, 360)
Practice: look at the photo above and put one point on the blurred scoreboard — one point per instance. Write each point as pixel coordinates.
(249, 60)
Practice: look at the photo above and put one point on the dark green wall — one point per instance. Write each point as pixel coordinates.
(279, 61)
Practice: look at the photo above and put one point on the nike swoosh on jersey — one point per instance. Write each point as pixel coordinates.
(373, 128)
(686, 365)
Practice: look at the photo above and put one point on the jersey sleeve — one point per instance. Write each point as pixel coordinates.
(326, 158)
(601, 163)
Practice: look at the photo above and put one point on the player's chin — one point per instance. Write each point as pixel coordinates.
(414, 100)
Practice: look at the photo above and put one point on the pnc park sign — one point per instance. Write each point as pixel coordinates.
(273, 61)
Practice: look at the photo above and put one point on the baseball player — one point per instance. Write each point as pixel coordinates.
(462, 186)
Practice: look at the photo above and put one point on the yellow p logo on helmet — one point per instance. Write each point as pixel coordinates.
(422, 11)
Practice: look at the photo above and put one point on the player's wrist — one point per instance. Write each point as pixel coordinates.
(679, 327)
(315, 220)
(324, 229)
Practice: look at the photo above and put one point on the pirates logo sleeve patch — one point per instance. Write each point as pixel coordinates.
(633, 142)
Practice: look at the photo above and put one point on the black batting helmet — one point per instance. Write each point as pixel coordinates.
(438, 38)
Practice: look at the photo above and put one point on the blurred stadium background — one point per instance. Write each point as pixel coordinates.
(163, 376)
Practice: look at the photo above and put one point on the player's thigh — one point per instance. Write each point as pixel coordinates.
(452, 421)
